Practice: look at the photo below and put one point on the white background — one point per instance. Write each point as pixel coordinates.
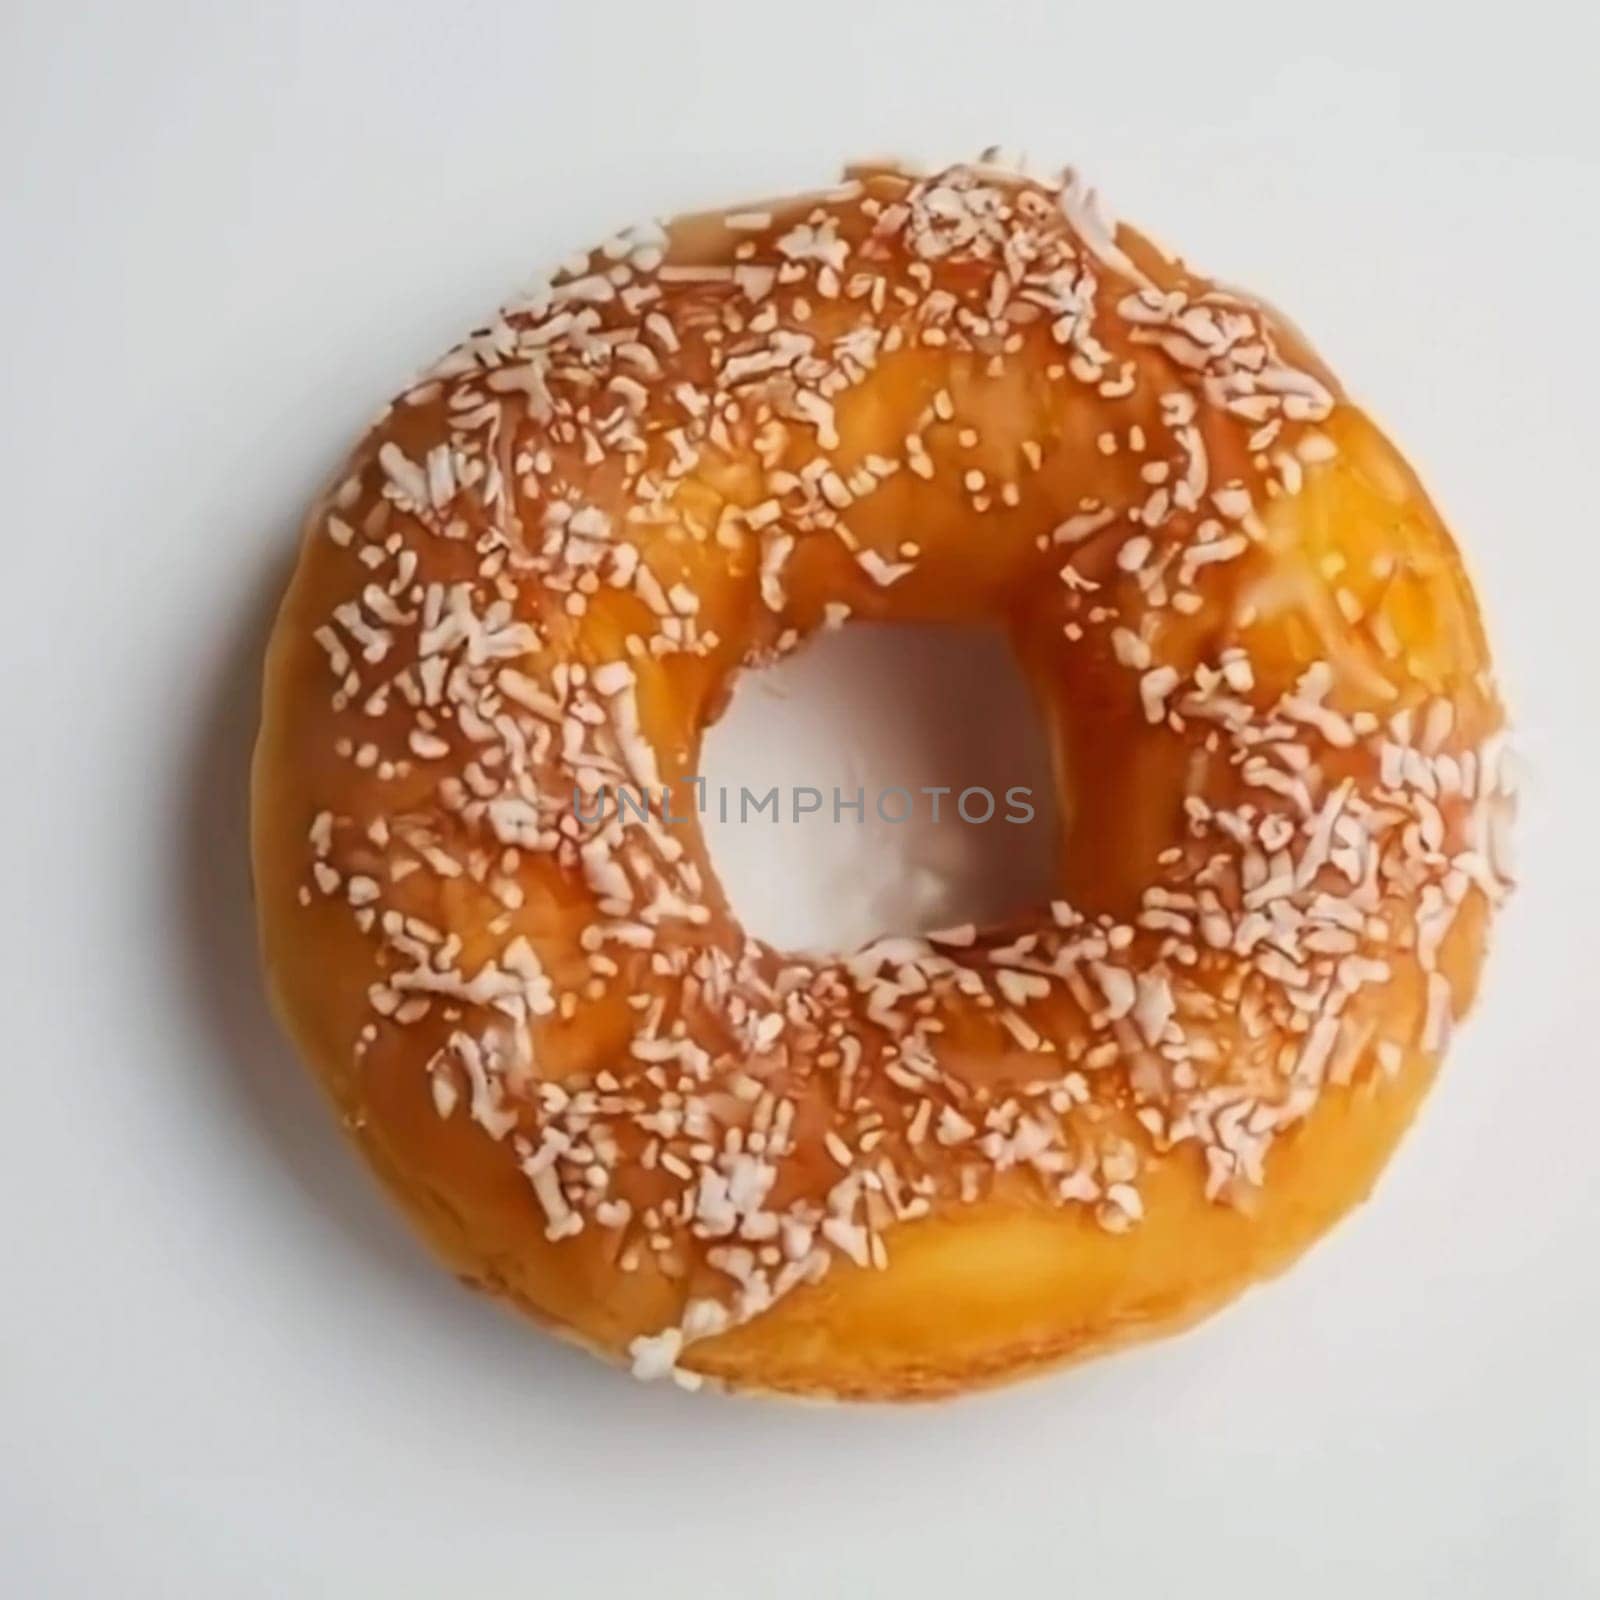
(229, 231)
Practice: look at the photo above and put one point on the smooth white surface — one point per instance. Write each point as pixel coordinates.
(910, 787)
(230, 231)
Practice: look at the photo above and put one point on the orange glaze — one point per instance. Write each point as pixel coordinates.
(934, 1162)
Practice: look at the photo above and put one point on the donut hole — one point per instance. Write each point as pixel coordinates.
(858, 733)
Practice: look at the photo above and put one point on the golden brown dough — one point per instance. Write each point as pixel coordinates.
(936, 1161)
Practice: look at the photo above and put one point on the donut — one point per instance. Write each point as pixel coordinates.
(943, 1159)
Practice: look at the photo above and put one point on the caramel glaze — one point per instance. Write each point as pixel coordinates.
(936, 1162)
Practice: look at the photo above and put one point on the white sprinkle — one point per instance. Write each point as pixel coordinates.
(656, 1355)
(883, 573)
(1154, 687)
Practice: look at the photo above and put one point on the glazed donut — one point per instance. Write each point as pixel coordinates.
(935, 1161)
